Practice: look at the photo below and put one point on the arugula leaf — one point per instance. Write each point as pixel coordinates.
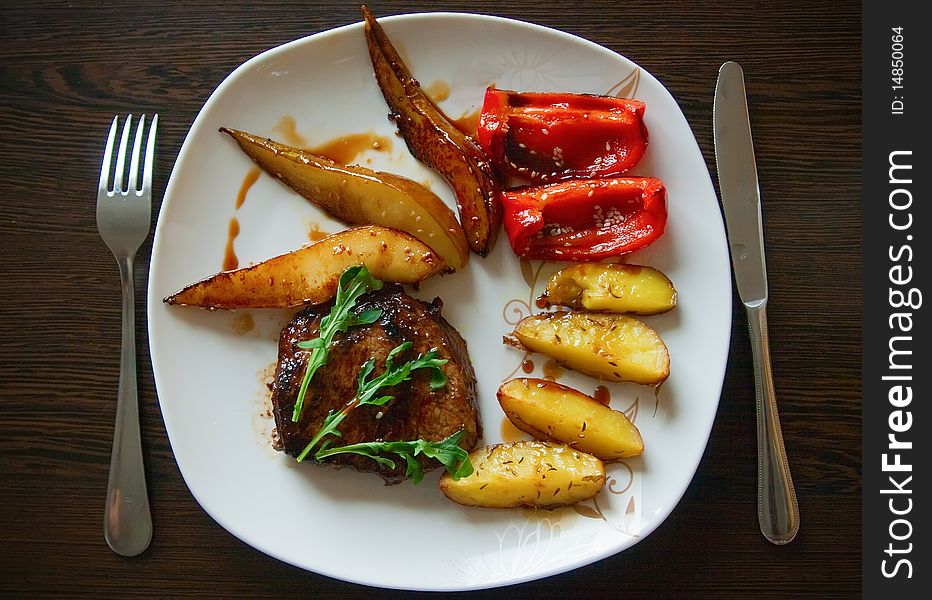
(447, 451)
(354, 282)
(367, 389)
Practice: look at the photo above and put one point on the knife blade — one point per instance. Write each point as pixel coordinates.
(737, 178)
(777, 509)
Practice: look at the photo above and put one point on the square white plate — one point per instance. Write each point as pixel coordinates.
(210, 366)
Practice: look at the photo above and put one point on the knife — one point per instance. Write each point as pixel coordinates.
(777, 509)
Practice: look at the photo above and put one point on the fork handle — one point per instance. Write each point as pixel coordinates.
(127, 521)
(777, 509)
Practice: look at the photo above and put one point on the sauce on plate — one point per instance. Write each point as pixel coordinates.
(288, 128)
(230, 261)
(315, 234)
(346, 148)
(603, 395)
(552, 370)
(438, 91)
(251, 176)
(510, 433)
(468, 123)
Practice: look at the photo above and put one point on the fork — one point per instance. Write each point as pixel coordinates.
(123, 216)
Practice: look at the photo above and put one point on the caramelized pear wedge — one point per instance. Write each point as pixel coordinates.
(309, 275)
(616, 288)
(534, 474)
(605, 346)
(360, 196)
(434, 140)
(552, 411)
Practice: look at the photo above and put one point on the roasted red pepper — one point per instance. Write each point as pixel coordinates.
(551, 137)
(585, 219)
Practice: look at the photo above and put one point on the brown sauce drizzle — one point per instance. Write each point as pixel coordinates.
(527, 365)
(315, 234)
(438, 91)
(345, 149)
(342, 149)
(230, 261)
(288, 127)
(468, 123)
(552, 370)
(542, 302)
(243, 324)
(510, 433)
(603, 395)
(248, 182)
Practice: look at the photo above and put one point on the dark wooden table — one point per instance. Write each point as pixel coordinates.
(67, 68)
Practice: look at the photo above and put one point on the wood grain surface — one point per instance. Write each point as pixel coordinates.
(67, 67)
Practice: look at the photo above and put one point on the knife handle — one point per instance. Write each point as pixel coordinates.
(777, 509)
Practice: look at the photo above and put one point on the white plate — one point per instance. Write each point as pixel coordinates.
(209, 376)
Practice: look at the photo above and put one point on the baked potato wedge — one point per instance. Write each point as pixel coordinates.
(528, 473)
(434, 140)
(551, 411)
(310, 274)
(605, 346)
(616, 288)
(360, 196)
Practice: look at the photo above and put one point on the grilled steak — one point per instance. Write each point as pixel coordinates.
(416, 411)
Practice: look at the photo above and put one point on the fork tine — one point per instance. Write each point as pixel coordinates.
(108, 157)
(121, 156)
(134, 161)
(150, 155)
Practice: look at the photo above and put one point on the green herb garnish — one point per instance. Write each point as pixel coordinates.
(447, 451)
(354, 282)
(366, 390)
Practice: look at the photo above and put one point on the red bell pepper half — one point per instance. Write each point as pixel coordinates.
(585, 219)
(551, 137)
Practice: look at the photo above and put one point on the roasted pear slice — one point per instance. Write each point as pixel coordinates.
(310, 275)
(434, 140)
(360, 196)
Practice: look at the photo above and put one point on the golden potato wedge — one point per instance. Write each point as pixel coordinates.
(310, 274)
(436, 141)
(361, 196)
(535, 474)
(611, 288)
(605, 346)
(551, 411)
